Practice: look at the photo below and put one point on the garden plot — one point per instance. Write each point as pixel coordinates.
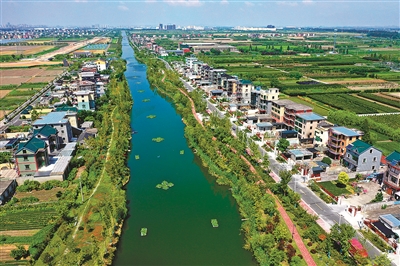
(13, 81)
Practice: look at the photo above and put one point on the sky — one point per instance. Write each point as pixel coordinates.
(299, 13)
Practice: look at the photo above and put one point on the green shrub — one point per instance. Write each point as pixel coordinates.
(327, 160)
(30, 199)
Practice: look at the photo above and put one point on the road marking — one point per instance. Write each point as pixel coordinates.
(318, 206)
(301, 191)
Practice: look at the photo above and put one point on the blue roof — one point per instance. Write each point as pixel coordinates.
(345, 131)
(52, 118)
(217, 91)
(311, 116)
(264, 124)
(391, 220)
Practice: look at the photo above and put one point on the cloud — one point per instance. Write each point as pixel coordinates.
(188, 3)
(123, 8)
(308, 2)
(287, 3)
(224, 2)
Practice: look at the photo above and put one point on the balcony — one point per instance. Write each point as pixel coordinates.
(334, 144)
(334, 151)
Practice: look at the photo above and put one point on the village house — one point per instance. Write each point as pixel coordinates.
(361, 157)
(339, 139)
(30, 156)
(59, 121)
(391, 180)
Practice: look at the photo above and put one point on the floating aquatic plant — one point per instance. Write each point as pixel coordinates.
(214, 222)
(151, 116)
(159, 139)
(165, 185)
(182, 152)
(137, 157)
(146, 100)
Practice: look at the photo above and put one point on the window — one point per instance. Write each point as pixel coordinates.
(26, 158)
(23, 151)
(61, 125)
(62, 131)
(373, 167)
(370, 151)
(27, 167)
(374, 160)
(311, 127)
(348, 155)
(364, 160)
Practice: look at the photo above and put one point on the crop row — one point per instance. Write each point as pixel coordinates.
(352, 104)
(26, 219)
(392, 121)
(377, 98)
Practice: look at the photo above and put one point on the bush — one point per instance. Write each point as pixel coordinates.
(30, 199)
(19, 252)
(327, 160)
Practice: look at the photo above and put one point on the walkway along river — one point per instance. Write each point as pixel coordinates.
(179, 219)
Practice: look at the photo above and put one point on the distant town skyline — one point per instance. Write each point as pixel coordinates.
(298, 13)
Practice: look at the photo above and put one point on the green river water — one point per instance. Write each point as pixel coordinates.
(178, 219)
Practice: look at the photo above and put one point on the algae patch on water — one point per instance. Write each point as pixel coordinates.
(165, 185)
(151, 116)
(159, 139)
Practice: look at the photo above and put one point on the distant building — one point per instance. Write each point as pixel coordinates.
(101, 64)
(82, 54)
(85, 100)
(7, 190)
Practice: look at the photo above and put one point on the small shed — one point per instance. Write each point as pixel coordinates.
(263, 126)
(390, 221)
(216, 92)
(300, 154)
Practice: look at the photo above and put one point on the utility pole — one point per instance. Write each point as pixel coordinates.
(80, 182)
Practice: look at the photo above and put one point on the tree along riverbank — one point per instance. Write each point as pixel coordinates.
(93, 207)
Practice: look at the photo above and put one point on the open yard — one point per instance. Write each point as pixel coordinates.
(42, 195)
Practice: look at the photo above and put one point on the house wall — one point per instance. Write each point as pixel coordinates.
(8, 192)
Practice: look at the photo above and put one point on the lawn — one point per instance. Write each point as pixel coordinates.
(334, 189)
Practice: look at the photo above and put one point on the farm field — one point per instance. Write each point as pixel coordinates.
(29, 75)
(27, 219)
(352, 104)
(25, 50)
(387, 147)
(384, 100)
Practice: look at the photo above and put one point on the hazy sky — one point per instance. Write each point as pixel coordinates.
(202, 12)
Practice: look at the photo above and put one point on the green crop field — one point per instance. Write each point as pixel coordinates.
(377, 98)
(389, 120)
(317, 107)
(352, 103)
(27, 219)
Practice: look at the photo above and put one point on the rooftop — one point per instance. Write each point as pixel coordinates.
(390, 220)
(45, 131)
(358, 146)
(61, 164)
(345, 131)
(34, 144)
(394, 156)
(52, 118)
(4, 184)
(292, 105)
(311, 117)
(264, 124)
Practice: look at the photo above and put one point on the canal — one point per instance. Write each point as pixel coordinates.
(178, 219)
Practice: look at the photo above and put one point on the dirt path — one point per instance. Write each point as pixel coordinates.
(100, 179)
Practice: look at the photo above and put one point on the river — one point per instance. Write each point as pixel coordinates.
(178, 219)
